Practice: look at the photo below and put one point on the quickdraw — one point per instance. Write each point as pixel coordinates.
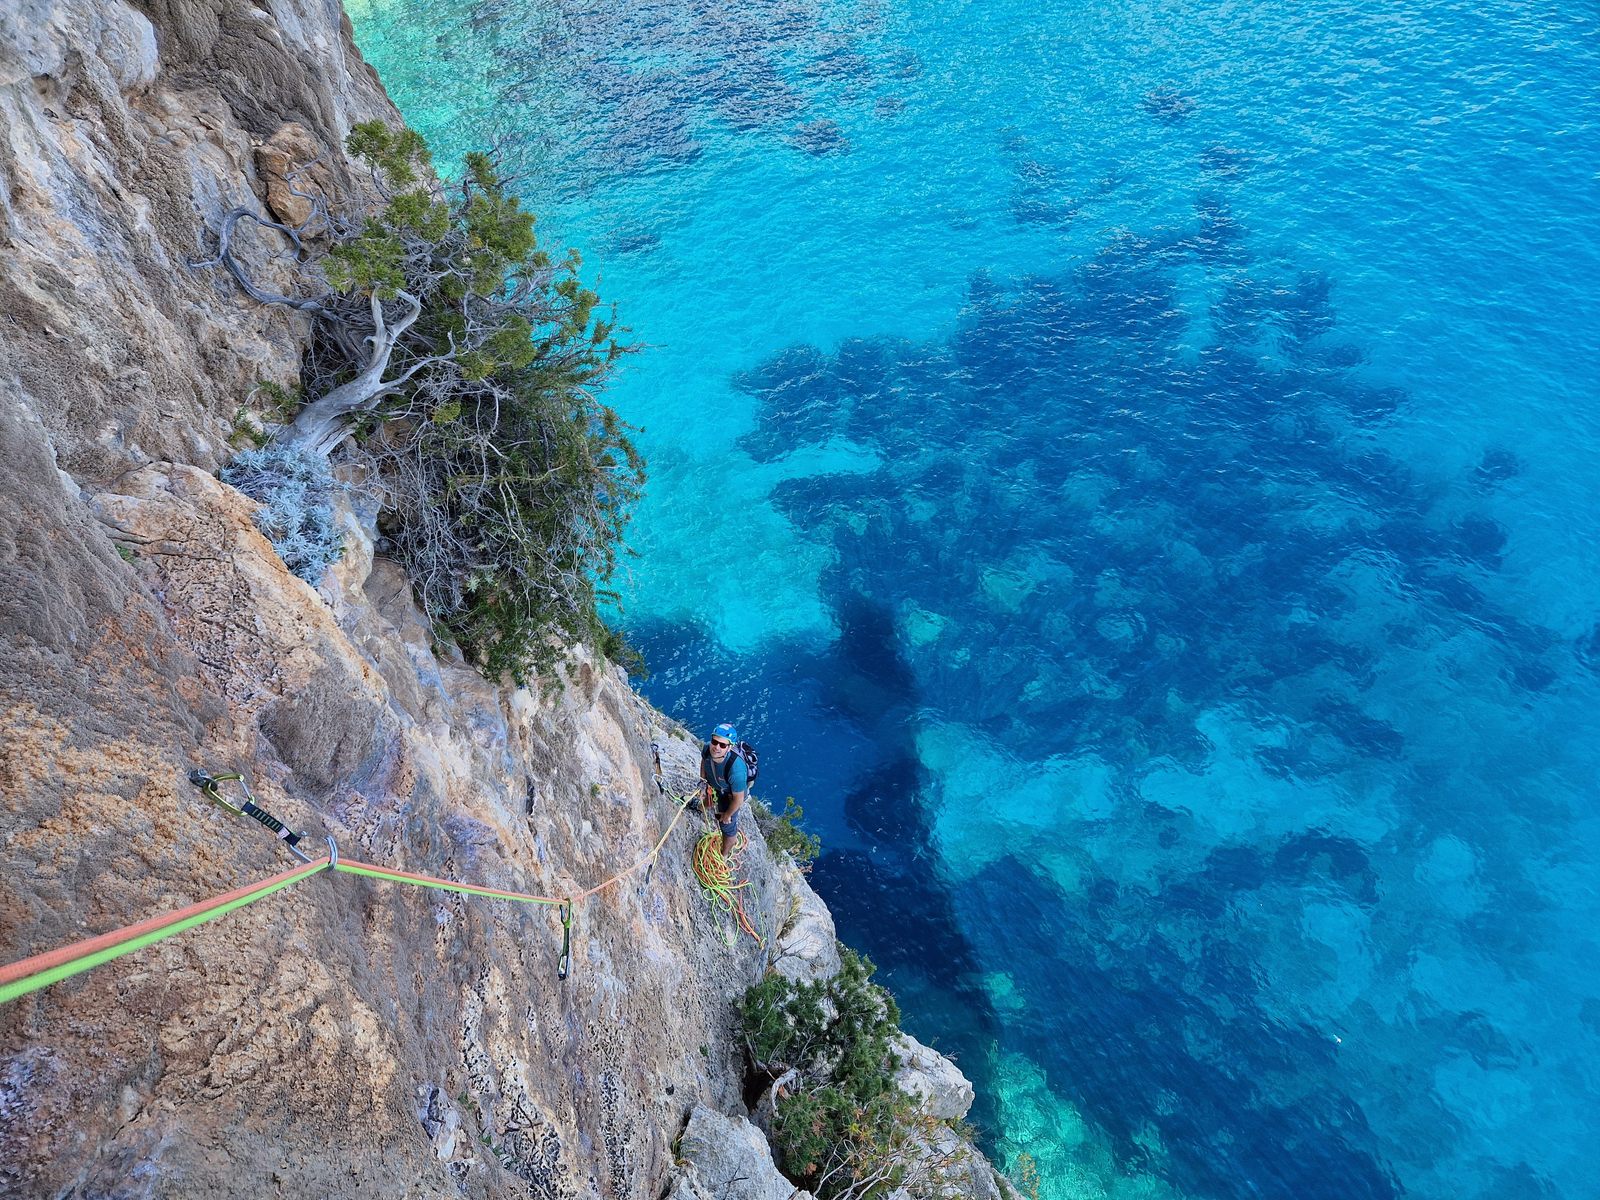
(249, 808)
(209, 786)
(564, 963)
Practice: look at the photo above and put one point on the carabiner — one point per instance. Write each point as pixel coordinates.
(249, 808)
(564, 963)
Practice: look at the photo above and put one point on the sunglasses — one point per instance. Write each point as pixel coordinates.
(721, 744)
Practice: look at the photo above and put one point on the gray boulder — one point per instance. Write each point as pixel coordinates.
(937, 1083)
(806, 947)
(729, 1160)
(948, 1166)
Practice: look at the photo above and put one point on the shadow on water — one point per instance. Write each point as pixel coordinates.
(1120, 523)
(886, 897)
(1112, 533)
(1137, 1025)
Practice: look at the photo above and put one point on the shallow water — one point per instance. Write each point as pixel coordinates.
(1128, 467)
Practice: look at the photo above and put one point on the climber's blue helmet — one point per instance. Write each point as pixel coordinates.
(726, 733)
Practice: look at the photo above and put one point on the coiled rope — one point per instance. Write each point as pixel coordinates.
(716, 876)
(30, 974)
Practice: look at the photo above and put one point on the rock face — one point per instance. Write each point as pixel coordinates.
(129, 130)
(954, 1168)
(805, 947)
(350, 1037)
(729, 1156)
(937, 1082)
(345, 1037)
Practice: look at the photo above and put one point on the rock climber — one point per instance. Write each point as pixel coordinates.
(726, 780)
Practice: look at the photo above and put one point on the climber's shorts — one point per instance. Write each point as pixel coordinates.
(728, 822)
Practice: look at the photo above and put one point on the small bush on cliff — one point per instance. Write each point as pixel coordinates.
(458, 360)
(845, 1130)
(785, 835)
(295, 489)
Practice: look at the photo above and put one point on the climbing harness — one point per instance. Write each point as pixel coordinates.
(715, 874)
(249, 808)
(30, 974)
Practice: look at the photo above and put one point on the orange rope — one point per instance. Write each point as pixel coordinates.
(654, 850)
(715, 874)
(39, 970)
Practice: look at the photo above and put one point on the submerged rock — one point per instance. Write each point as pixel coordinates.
(347, 1037)
(821, 137)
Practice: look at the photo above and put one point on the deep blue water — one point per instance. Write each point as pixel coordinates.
(1130, 469)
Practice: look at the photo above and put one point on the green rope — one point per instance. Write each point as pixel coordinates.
(442, 885)
(22, 987)
(715, 876)
(65, 970)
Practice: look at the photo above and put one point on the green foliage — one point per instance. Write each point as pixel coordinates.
(784, 834)
(614, 644)
(276, 405)
(400, 155)
(247, 430)
(847, 1128)
(372, 262)
(812, 1127)
(508, 484)
(280, 402)
(778, 1016)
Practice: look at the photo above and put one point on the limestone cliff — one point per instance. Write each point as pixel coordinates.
(346, 1037)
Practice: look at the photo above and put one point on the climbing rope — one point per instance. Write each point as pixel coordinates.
(716, 876)
(20, 978)
(30, 974)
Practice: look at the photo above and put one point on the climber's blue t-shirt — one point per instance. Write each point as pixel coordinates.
(730, 776)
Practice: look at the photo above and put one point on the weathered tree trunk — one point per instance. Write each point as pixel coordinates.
(321, 425)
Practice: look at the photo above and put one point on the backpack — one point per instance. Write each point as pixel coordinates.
(745, 751)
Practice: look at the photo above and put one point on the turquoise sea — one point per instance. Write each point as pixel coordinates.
(1131, 469)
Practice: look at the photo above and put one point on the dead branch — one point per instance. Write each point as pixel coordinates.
(225, 258)
(324, 423)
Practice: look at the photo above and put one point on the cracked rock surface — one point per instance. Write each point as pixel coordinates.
(347, 1036)
(729, 1156)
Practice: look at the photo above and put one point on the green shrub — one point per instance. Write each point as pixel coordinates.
(506, 484)
(784, 834)
(278, 401)
(843, 1024)
(614, 644)
(846, 1130)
